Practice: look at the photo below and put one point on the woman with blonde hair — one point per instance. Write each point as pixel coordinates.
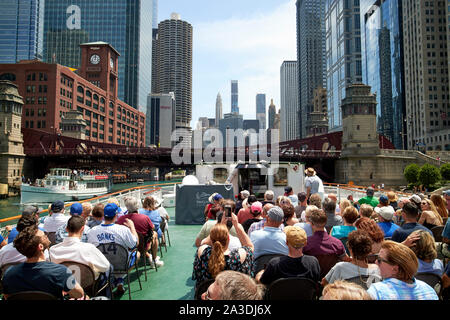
(398, 264)
(211, 260)
(429, 217)
(425, 249)
(440, 205)
(343, 205)
(344, 290)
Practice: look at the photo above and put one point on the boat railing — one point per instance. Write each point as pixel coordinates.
(342, 191)
(155, 190)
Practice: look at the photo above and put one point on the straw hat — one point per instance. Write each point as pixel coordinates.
(392, 196)
(310, 172)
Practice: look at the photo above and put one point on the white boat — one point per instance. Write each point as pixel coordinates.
(62, 184)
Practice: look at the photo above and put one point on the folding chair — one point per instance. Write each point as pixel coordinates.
(292, 289)
(85, 276)
(201, 288)
(326, 262)
(432, 279)
(142, 249)
(165, 230)
(437, 233)
(261, 262)
(120, 259)
(31, 295)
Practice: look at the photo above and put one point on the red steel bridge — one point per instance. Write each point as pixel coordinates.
(50, 150)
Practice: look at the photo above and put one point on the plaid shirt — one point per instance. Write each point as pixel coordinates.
(260, 225)
(394, 289)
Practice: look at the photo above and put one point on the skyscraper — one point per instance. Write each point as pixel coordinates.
(21, 30)
(272, 114)
(125, 24)
(289, 121)
(234, 96)
(311, 56)
(427, 93)
(174, 66)
(383, 70)
(261, 110)
(218, 109)
(343, 54)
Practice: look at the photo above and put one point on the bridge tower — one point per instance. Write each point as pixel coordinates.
(12, 155)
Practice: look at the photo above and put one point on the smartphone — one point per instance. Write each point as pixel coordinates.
(228, 211)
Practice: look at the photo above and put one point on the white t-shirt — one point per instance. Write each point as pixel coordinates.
(9, 254)
(347, 270)
(234, 243)
(53, 222)
(107, 233)
(72, 249)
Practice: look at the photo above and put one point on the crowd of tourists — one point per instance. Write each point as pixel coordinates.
(33, 254)
(375, 248)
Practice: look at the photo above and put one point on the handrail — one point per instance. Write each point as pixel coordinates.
(100, 197)
(356, 188)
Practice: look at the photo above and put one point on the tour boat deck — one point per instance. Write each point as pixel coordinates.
(173, 280)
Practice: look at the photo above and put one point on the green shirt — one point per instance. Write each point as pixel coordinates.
(369, 200)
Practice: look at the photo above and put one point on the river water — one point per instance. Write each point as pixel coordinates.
(10, 207)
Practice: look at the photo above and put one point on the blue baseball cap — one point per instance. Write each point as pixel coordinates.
(217, 197)
(110, 210)
(76, 209)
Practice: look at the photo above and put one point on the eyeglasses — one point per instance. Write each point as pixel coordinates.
(424, 203)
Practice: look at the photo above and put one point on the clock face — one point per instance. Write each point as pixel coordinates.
(95, 59)
(111, 63)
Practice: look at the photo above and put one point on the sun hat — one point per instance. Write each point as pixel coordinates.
(310, 172)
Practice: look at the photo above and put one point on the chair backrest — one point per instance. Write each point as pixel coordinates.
(437, 233)
(326, 262)
(31, 295)
(162, 225)
(83, 273)
(116, 254)
(52, 237)
(432, 279)
(202, 287)
(344, 242)
(143, 243)
(292, 289)
(261, 262)
(364, 280)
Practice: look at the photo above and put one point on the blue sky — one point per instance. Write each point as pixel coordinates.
(244, 40)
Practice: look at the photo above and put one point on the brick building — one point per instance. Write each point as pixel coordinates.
(50, 91)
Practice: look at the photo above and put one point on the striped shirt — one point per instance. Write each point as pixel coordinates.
(394, 289)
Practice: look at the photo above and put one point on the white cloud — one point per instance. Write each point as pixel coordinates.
(249, 50)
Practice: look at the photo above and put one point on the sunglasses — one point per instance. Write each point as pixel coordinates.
(379, 260)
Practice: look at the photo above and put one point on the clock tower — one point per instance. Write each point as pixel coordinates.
(99, 65)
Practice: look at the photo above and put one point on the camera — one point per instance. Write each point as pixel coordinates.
(228, 211)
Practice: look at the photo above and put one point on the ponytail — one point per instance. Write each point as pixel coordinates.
(216, 262)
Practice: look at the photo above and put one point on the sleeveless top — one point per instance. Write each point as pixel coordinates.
(232, 262)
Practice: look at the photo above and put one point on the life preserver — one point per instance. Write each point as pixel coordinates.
(295, 168)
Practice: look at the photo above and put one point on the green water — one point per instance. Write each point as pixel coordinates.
(10, 207)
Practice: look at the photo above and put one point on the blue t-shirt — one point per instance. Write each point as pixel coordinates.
(388, 228)
(1, 238)
(155, 217)
(13, 234)
(436, 266)
(341, 231)
(404, 231)
(41, 276)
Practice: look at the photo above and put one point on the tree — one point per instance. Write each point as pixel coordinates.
(445, 171)
(411, 173)
(429, 175)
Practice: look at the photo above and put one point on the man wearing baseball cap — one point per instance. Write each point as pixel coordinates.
(124, 235)
(76, 209)
(56, 218)
(369, 198)
(295, 264)
(385, 216)
(270, 240)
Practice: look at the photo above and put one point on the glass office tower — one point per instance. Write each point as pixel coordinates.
(383, 65)
(234, 96)
(343, 54)
(261, 109)
(125, 24)
(21, 30)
